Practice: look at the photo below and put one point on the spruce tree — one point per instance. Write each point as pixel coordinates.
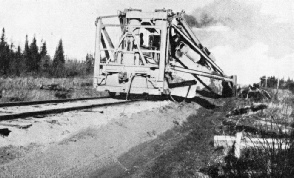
(58, 61)
(89, 64)
(12, 60)
(4, 55)
(34, 57)
(21, 65)
(26, 55)
(43, 50)
(45, 60)
(2, 46)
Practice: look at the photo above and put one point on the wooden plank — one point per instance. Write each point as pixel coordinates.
(17, 125)
(241, 143)
(237, 150)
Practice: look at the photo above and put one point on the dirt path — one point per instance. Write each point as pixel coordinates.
(86, 150)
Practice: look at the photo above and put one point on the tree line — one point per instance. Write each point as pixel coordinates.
(35, 61)
(273, 82)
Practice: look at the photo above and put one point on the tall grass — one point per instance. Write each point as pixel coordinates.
(273, 156)
(28, 88)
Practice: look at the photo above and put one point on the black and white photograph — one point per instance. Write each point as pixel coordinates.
(146, 88)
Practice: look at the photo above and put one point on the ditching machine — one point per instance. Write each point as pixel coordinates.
(154, 53)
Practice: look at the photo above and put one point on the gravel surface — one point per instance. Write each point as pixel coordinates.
(74, 144)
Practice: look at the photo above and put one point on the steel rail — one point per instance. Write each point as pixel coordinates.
(61, 110)
(27, 103)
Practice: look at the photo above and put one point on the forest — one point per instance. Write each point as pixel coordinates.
(274, 82)
(34, 61)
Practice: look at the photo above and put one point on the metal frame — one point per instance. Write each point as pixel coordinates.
(153, 72)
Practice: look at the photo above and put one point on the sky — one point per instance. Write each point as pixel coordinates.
(252, 38)
(71, 20)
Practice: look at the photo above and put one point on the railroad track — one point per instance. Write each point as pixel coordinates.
(9, 111)
(27, 103)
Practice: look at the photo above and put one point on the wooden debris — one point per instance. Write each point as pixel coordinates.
(17, 125)
(239, 142)
(253, 108)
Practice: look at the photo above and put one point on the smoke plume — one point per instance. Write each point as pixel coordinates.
(246, 41)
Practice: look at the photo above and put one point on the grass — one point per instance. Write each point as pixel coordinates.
(28, 89)
(267, 159)
(190, 154)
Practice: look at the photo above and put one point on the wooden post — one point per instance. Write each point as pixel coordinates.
(238, 144)
(278, 84)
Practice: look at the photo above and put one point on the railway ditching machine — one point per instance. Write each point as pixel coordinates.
(153, 53)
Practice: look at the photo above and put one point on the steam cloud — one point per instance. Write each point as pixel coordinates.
(245, 41)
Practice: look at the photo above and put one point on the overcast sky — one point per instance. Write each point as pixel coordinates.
(73, 21)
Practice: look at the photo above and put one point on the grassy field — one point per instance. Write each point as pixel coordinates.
(33, 89)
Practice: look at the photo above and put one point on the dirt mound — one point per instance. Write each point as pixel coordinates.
(82, 153)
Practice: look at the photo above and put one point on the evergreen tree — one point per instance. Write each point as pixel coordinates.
(3, 36)
(26, 54)
(4, 55)
(43, 50)
(21, 65)
(35, 57)
(58, 61)
(45, 60)
(12, 61)
(89, 64)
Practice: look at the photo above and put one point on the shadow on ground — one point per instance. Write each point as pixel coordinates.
(178, 152)
(204, 98)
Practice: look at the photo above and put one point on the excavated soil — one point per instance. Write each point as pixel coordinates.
(87, 143)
